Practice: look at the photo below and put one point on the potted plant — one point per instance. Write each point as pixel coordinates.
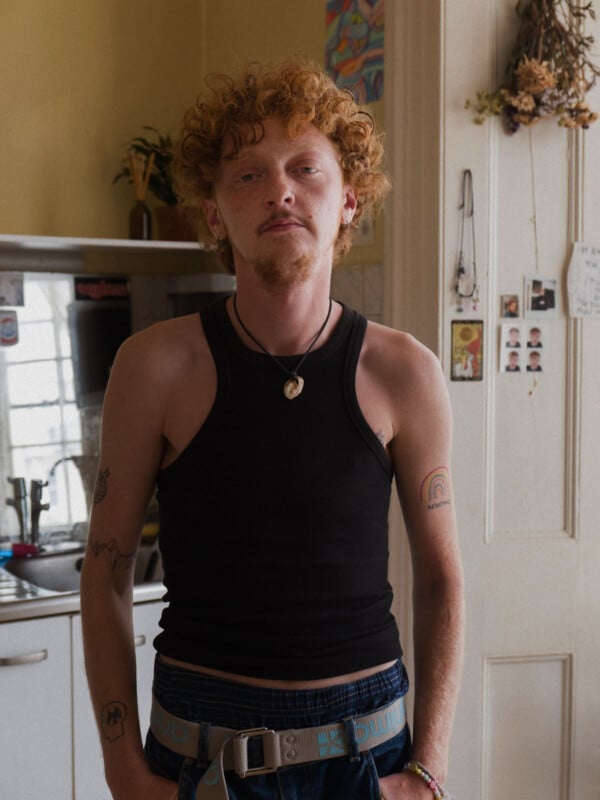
(175, 222)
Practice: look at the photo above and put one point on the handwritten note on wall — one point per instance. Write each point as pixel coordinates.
(583, 282)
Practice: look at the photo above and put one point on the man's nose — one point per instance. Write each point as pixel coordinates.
(279, 190)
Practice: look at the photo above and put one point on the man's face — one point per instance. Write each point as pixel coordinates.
(535, 336)
(513, 335)
(280, 202)
(513, 360)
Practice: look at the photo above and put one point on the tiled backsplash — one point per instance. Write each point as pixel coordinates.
(360, 287)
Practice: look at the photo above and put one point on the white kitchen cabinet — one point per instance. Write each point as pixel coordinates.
(88, 768)
(35, 687)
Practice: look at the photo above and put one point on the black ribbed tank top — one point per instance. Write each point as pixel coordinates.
(273, 520)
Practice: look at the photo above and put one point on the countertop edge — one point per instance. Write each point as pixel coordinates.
(62, 603)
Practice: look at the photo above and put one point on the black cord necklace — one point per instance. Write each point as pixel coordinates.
(292, 388)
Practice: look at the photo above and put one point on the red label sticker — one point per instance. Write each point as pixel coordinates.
(9, 328)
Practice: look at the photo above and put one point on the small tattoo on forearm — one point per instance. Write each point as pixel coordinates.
(115, 555)
(101, 487)
(112, 720)
(435, 489)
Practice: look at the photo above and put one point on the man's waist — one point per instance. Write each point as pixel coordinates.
(272, 683)
(290, 655)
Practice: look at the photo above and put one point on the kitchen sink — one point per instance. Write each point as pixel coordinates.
(58, 566)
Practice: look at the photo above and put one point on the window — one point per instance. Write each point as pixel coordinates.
(42, 426)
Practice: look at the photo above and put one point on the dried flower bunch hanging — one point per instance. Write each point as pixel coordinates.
(550, 70)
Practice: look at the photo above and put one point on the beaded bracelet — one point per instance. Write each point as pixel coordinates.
(422, 772)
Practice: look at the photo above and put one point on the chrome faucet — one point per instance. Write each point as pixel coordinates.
(36, 489)
(19, 502)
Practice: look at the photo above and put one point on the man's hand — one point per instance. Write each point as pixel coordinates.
(404, 786)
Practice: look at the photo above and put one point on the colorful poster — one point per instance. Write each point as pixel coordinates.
(467, 350)
(354, 46)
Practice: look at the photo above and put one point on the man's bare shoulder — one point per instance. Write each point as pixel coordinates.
(398, 356)
(412, 384)
(164, 348)
(162, 384)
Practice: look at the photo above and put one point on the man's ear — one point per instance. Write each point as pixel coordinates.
(213, 219)
(350, 204)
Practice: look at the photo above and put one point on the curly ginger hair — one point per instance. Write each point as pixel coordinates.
(297, 93)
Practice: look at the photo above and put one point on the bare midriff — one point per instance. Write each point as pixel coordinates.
(268, 683)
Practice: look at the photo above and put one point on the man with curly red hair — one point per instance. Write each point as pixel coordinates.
(273, 424)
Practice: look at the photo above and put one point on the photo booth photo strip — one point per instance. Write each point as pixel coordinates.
(522, 346)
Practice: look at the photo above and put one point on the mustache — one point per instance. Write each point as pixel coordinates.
(277, 217)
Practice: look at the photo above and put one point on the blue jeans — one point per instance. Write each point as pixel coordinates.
(201, 698)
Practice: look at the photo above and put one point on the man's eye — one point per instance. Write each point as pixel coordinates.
(247, 177)
(307, 170)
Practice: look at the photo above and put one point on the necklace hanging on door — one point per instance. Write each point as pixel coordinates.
(294, 385)
(466, 284)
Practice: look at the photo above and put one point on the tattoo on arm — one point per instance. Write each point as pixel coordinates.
(116, 557)
(435, 489)
(111, 547)
(101, 487)
(112, 720)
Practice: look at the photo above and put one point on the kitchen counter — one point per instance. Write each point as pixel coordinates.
(21, 600)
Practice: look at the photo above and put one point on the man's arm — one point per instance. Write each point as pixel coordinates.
(421, 451)
(131, 450)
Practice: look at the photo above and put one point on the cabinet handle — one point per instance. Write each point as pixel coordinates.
(29, 658)
(140, 640)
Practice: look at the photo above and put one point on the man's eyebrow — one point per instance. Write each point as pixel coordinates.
(247, 151)
(236, 155)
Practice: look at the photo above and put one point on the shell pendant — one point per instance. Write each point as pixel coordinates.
(292, 388)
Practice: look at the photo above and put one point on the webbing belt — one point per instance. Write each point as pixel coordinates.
(228, 749)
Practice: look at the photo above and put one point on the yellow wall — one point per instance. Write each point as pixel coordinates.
(78, 79)
(243, 31)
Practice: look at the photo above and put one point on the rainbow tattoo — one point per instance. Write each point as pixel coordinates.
(435, 489)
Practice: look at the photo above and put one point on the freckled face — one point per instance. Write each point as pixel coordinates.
(281, 202)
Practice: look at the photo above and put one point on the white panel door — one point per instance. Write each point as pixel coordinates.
(526, 466)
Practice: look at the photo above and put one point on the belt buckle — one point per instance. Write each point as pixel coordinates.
(270, 752)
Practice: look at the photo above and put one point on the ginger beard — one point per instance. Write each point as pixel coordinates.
(278, 272)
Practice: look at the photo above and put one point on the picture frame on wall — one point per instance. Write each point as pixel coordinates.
(510, 306)
(541, 298)
(467, 350)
